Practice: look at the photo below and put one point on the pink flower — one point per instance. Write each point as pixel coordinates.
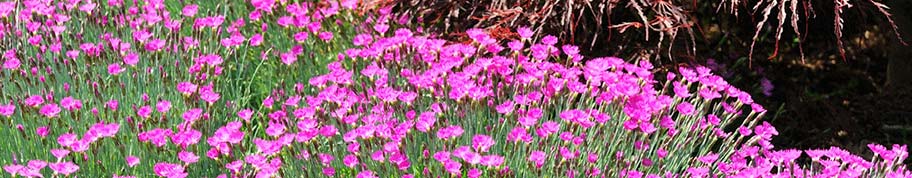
(69, 103)
(186, 88)
(245, 114)
(366, 174)
(505, 108)
(267, 147)
(481, 143)
(115, 69)
(163, 106)
(452, 166)
(425, 121)
(350, 160)
(34, 100)
(524, 32)
(190, 10)
(186, 138)
(192, 115)
(60, 153)
(13, 169)
(7, 110)
(155, 45)
(256, 40)
(275, 129)
(144, 111)
(531, 117)
(326, 36)
(50, 110)
(132, 160)
(537, 158)
(288, 58)
(235, 166)
(158, 137)
(65, 168)
(680, 90)
(169, 170)
(208, 94)
(329, 171)
(131, 59)
(519, 134)
(449, 132)
(187, 157)
(112, 104)
(325, 159)
(362, 39)
(686, 108)
(11, 64)
(42, 131)
(263, 5)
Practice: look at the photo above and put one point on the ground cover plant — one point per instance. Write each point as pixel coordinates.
(330, 89)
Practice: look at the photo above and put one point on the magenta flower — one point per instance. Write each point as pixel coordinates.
(235, 166)
(362, 39)
(537, 158)
(65, 168)
(169, 170)
(34, 100)
(685, 108)
(132, 160)
(524, 32)
(131, 59)
(288, 58)
(60, 153)
(256, 39)
(425, 121)
(505, 108)
(186, 88)
(7, 110)
(163, 106)
(325, 159)
(350, 160)
(208, 94)
(158, 137)
(11, 64)
(69, 103)
(112, 104)
(192, 115)
(190, 10)
(187, 157)
(481, 143)
(449, 132)
(155, 45)
(519, 134)
(230, 133)
(366, 174)
(267, 147)
(144, 111)
(186, 138)
(13, 169)
(115, 69)
(245, 114)
(329, 171)
(326, 36)
(263, 5)
(275, 129)
(453, 167)
(50, 110)
(42, 131)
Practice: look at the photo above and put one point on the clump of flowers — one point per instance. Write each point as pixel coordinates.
(379, 101)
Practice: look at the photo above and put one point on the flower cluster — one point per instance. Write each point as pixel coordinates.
(135, 93)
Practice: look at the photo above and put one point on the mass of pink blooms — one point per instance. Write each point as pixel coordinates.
(129, 89)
